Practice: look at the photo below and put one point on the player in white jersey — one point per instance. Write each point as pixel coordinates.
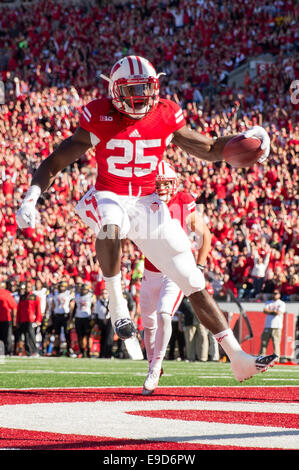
(130, 131)
(63, 303)
(103, 320)
(42, 293)
(84, 310)
(160, 297)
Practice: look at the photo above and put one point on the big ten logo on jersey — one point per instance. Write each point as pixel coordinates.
(106, 118)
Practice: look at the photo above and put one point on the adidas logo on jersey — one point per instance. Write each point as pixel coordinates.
(135, 133)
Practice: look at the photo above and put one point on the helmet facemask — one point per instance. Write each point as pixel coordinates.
(166, 182)
(166, 188)
(135, 97)
(134, 86)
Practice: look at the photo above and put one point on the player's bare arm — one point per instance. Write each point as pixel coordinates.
(198, 226)
(251, 146)
(66, 153)
(205, 249)
(199, 145)
(70, 150)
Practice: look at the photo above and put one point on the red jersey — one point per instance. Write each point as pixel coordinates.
(7, 305)
(29, 309)
(129, 150)
(180, 206)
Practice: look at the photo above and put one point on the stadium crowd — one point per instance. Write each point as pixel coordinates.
(52, 54)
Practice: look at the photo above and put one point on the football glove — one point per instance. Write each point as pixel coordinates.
(260, 133)
(27, 215)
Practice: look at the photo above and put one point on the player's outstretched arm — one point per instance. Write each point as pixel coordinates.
(199, 145)
(70, 150)
(212, 149)
(66, 153)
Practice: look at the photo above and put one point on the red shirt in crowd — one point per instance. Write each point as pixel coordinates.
(29, 309)
(289, 289)
(229, 285)
(7, 305)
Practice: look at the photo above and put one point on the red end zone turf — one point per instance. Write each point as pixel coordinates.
(264, 394)
(212, 428)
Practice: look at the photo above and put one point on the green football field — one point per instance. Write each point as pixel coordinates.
(27, 372)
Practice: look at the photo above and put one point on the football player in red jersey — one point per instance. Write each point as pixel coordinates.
(130, 130)
(160, 297)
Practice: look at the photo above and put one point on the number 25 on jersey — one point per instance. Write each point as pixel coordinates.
(141, 165)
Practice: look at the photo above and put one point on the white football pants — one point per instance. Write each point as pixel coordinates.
(158, 294)
(147, 222)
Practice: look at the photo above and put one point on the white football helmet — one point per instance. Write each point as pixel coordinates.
(134, 86)
(166, 182)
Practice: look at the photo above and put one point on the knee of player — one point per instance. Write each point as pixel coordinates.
(149, 322)
(164, 317)
(163, 312)
(110, 232)
(196, 282)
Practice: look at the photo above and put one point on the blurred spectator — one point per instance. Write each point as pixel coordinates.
(228, 290)
(42, 292)
(189, 319)
(274, 310)
(63, 304)
(258, 272)
(8, 310)
(29, 316)
(290, 289)
(268, 287)
(177, 338)
(104, 324)
(214, 354)
(196, 335)
(84, 308)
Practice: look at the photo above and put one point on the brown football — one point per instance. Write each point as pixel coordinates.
(241, 152)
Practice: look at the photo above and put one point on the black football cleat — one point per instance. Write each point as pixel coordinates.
(262, 363)
(125, 328)
(245, 366)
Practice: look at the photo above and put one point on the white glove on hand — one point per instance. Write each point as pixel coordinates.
(27, 215)
(260, 133)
